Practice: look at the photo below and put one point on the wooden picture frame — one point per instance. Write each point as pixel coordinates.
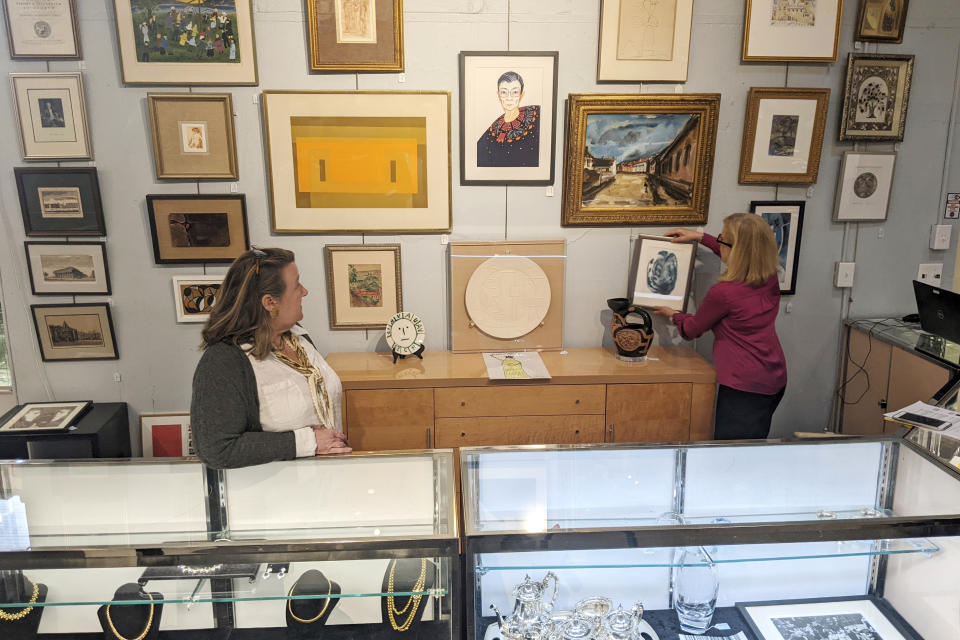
(785, 218)
(792, 31)
(74, 332)
(864, 187)
(166, 435)
(58, 201)
(195, 295)
(52, 116)
(783, 135)
(193, 136)
(193, 229)
(68, 268)
(661, 272)
(608, 182)
(45, 416)
(371, 41)
(364, 285)
(626, 29)
(779, 619)
(878, 22)
(42, 29)
(876, 96)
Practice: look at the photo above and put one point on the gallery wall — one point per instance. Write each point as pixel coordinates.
(157, 355)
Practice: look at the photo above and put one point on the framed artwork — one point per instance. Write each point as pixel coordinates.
(662, 272)
(856, 617)
(60, 202)
(52, 115)
(192, 229)
(166, 435)
(644, 41)
(194, 296)
(863, 192)
(45, 416)
(792, 30)
(186, 42)
(74, 332)
(193, 135)
(363, 285)
(508, 105)
(639, 159)
(876, 97)
(68, 268)
(358, 161)
(42, 29)
(355, 35)
(786, 221)
(881, 21)
(783, 135)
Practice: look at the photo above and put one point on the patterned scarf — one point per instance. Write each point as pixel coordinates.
(318, 392)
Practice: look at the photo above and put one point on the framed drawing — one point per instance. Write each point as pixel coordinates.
(42, 29)
(856, 617)
(52, 115)
(355, 35)
(881, 21)
(197, 228)
(193, 135)
(166, 435)
(194, 296)
(74, 332)
(639, 159)
(45, 416)
(186, 42)
(662, 272)
(68, 268)
(60, 202)
(783, 135)
(876, 97)
(358, 161)
(792, 30)
(644, 41)
(863, 192)
(363, 285)
(786, 220)
(508, 105)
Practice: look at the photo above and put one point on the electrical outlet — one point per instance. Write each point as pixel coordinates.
(931, 273)
(940, 237)
(843, 275)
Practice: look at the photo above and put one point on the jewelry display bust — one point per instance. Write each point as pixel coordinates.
(403, 613)
(304, 616)
(132, 622)
(20, 623)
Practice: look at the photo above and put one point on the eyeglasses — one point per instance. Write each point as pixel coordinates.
(258, 255)
(720, 240)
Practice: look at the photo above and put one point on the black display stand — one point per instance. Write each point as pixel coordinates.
(131, 620)
(103, 432)
(14, 587)
(312, 583)
(405, 575)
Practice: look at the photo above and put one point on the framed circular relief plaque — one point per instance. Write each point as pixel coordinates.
(405, 335)
(508, 296)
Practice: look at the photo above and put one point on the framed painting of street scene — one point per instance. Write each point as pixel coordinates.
(190, 229)
(639, 159)
(876, 97)
(363, 285)
(68, 268)
(355, 35)
(58, 201)
(74, 332)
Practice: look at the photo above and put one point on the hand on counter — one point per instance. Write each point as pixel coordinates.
(330, 442)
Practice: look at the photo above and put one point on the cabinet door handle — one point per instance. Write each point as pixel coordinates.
(612, 434)
(882, 403)
(429, 439)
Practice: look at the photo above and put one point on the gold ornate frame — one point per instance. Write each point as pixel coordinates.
(160, 167)
(318, 64)
(328, 252)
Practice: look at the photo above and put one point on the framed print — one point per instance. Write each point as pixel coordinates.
(186, 42)
(52, 115)
(42, 29)
(197, 228)
(45, 416)
(355, 35)
(661, 272)
(508, 105)
(876, 97)
(60, 202)
(792, 30)
(358, 161)
(363, 285)
(74, 332)
(783, 135)
(193, 135)
(856, 617)
(194, 296)
(68, 268)
(639, 159)
(881, 21)
(863, 192)
(644, 41)
(166, 435)
(786, 220)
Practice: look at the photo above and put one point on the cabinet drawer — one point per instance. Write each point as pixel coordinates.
(389, 419)
(473, 432)
(526, 400)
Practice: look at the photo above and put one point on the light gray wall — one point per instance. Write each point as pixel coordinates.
(158, 355)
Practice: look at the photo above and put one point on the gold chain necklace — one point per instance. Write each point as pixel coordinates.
(319, 615)
(392, 610)
(23, 613)
(146, 629)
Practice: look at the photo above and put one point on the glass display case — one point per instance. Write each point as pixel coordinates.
(835, 539)
(362, 546)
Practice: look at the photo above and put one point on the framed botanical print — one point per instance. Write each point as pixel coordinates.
(60, 202)
(881, 21)
(783, 135)
(42, 29)
(363, 285)
(876, 97)
(639, 159)
(358, 161)
(197, 228)
(661, 272)
(74, 332)
(45, 416)
(792, 30)
(166, 435)
(863, 192)
(52, 114)
(193, 135)
(355, 35)
(643, 41)
(786, 221)
(194, 296)
(845, 617)
(508, 115)
(68, 268)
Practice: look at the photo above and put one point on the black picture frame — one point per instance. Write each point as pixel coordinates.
(78, 408)
(789, 248)
(682, 276)
(164, 252)
(106, 290)
(109, 348)
(897, 622)
(81, 188)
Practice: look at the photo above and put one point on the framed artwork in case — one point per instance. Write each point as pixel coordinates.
(192, 229)
(876, 97)
(194, 296)
(355, 35)
(193, 135)
(792, 30)
(643, 41)
(786, 221)
(364, 287)
(60, 202)
(863, 191)
(881, 21)
(52, 115)
(661, 272)
(42, 29)
(166, 435)
(847, 617)
(68, 268)
(74, 332)
(45, 416)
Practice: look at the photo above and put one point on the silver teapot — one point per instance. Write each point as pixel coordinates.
(531, 614)
(623, 625)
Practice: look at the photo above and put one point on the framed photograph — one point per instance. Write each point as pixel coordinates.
(355, 35)
(52, 115)
(635, 160)
(863, 192)
(194, 296)
(45, 416)
(42, 29)
(166, 435)
(881, 21)
(783, 135)
(876, 97)
(60, 202)
(192, 229)
(792, 30)
(363, 285)
(193, 135)
(786, 220)
(358, 161)
(74, 332)
(68, 268)
(186, 42)
(856, 617)
(644, 41)
(662, 272)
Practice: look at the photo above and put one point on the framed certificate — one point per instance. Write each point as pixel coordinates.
(42, 29)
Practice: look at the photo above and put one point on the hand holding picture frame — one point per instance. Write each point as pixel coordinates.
(786, 221)
(662, 272)
(364, 287)
(42, 29)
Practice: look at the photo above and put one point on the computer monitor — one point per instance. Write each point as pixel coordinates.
(939, 310)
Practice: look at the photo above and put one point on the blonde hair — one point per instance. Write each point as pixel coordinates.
(753, 256)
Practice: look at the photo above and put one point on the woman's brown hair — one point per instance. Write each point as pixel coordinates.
(753, 256)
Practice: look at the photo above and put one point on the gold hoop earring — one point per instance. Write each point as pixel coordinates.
(274, 312)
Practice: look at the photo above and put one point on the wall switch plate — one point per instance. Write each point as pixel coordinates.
(843, 274)
(940, 237)
(931, 273)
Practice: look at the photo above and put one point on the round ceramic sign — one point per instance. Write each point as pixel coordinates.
(405, 333)
(508, 296)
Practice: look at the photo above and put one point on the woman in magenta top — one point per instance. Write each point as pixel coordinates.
(741, 309)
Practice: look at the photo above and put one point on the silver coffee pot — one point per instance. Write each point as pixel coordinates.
(623, 625)
(531, 614)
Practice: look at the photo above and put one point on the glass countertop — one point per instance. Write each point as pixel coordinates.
(911, 337)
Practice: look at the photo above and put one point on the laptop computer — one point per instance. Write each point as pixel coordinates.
(939, 310)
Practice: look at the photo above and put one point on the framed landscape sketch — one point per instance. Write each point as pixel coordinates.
(508, 115)
(194, 296)
(68, 268)
(786, 221)
(42, 29)
(783, 135)
(60, 202)
(355, 35)
(363, 285)
(197, 228)
(847, 617)
(792, 30)
(863, 192)
(45, 416)
(74, 332)
(643, 41)
(881, 21)
(876, 97)
(358, 161)
(52, 114)
(639, 159)
(166, 435)
(661, 272)
(193, 135)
